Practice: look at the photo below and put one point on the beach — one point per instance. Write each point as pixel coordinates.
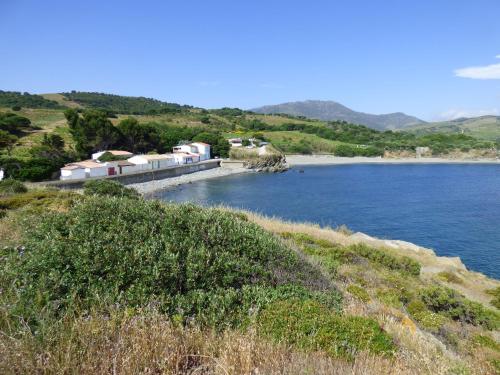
(294, 160)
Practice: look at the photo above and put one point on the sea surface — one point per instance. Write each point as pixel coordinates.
(453, 209)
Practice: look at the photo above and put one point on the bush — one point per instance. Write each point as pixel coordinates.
(16, 108)
(310, 326)
(448, 302)
(449, 277)
(143, 253)
(10, 186)
(109, 188)
(496, 297)
(403, 263)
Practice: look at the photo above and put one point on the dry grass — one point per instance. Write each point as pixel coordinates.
(150, 344)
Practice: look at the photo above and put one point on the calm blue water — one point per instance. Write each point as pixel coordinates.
(453, 209)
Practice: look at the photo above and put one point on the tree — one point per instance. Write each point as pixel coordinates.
(54, 141)
(138, 138)
(7, 141)
(92, 132)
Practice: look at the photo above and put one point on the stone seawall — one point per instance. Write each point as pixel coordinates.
(140, 177)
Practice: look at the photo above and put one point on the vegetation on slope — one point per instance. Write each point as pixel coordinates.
(123, 104)
(88, 278)
(17, 100)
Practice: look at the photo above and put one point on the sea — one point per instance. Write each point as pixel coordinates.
(453, 209)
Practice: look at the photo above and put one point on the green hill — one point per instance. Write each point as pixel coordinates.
(484, 127)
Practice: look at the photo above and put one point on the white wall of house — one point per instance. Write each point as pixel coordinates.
(146, 163)
(203, 150)
(72, 174)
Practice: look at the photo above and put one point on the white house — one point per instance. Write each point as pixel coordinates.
(235, 142)
(199, 148)
(156, 161)
(203, 150)
(124, 154)
(186, 157)
(85, 169)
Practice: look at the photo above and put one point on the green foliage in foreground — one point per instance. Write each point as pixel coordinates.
(183, 259)
(449, 303)
(108, 188)
(308, 325)
(10, 186)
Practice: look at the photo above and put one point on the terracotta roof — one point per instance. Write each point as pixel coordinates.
(70, 167)
(89, 164)
(119, 152)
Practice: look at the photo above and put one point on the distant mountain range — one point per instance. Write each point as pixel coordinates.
(330, 110)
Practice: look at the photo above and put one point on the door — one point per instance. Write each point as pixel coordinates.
(111, 171)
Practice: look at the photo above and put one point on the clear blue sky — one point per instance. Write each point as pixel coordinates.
(373, 56)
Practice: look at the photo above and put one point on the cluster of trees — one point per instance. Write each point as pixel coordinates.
(124, 104)
(12, 127)
(93, 131)
(43, 160)
(16, 100)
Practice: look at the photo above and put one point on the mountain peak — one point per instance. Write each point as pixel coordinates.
(329, 110)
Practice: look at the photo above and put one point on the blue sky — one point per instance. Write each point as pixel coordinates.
(432, 59)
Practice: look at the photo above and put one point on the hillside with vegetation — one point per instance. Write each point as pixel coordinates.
(35, 142)
(107, 282)
(484, 127)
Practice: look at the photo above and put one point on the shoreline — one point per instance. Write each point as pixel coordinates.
(298, 160)
(151, 187)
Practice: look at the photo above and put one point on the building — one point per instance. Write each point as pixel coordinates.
(186, 157)
(235, 142)
(196, 148)
(86, 169)
(150, 162)
(203, 150)
(118, 153)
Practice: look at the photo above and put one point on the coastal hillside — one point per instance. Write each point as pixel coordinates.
(167, 288)
(484, 127)
(333, 111)
(41, 133)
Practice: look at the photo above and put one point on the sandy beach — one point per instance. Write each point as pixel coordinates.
(294, 160)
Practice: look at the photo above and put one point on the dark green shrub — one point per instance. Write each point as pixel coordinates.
(139, 253)
(308, 325)
(450, 303)
(10, 186)
(109, 188)
(16, 108)
(496, 297)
